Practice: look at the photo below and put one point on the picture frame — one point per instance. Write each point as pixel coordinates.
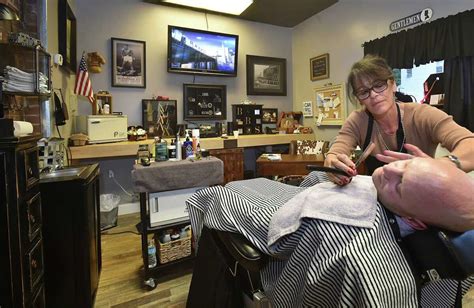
(160, 118)
(67, 36)
(266, 76)
(204, 102)
(128, 63)
(308, 109)
(269, 115)
(330, 105)
(319, 67)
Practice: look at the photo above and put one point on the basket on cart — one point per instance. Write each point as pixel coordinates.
(174, 250)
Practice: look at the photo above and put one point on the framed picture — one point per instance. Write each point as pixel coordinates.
(269, 115)
(266, 76)
(319, 67)
(308, 109)
(128, 63)
(67, 35)
(330, 105)
(204, 102)
(159, 118)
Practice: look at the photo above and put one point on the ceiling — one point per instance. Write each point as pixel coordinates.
(284, 13)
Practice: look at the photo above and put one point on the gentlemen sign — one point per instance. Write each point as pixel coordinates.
(414, 19)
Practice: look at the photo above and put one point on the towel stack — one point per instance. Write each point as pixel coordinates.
(16, 80)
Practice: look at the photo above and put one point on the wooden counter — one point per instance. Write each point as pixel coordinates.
(130, 148)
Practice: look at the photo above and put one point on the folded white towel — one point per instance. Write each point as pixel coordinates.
(353, 204)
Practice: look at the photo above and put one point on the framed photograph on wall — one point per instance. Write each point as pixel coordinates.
(269, 115)
(266, 76)
(204, 101)
(319, 67)
(330, 105)
(159, 118)
(67, 36)
(128, 63)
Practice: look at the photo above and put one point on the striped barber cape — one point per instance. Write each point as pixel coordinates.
(322, 264)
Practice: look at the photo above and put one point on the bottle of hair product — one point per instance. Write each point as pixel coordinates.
(151, 254)
(161, 151)
(172, 150)
(178, 148)
(188, 148)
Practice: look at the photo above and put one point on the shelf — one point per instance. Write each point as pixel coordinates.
(160, 267)
(37, 94)
(171, 224)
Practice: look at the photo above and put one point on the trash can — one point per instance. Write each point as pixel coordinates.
(108, 211)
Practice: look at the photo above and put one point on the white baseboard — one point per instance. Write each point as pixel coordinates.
(128, 208)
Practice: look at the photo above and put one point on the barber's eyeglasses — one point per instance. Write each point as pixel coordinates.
(378, 86)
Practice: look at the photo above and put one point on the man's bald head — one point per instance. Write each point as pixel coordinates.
(433, 191)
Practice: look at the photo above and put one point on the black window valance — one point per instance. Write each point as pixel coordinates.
(441, 39)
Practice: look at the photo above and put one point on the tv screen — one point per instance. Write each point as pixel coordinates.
(202, 52)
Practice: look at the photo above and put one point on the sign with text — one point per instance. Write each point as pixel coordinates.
(414, 19)
(319, 67)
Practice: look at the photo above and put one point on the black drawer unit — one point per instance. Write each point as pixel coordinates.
(21, 240)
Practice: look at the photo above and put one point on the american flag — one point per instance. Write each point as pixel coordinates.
(83, 83)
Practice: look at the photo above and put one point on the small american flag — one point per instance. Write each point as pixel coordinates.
(83, 83)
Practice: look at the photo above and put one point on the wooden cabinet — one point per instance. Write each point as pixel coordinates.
(247, 119)
(233, 163)
(71, 232)
(21, 240)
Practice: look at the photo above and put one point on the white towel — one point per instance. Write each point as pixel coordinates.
(353, 205)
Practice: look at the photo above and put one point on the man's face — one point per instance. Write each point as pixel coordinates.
(433, 191)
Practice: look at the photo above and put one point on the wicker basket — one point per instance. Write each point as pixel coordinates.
(174, 250)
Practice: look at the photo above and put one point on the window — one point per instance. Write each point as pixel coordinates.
(411, 80)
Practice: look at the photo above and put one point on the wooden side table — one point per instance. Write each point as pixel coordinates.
(290, 164)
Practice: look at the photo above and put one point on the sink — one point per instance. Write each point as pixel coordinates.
(66, 172)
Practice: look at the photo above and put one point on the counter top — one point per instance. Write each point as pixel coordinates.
(130, 148)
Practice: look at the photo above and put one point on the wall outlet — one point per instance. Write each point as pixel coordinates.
(111, 174)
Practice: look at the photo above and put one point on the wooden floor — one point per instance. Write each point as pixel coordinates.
(121, 279)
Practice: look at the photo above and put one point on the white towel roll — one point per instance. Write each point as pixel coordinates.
(22, 128)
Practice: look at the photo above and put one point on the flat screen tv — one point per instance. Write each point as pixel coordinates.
(202, 52)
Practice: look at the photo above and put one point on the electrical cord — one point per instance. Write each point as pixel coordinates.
(124, 190)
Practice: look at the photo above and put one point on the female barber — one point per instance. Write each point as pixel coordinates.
(393, 127)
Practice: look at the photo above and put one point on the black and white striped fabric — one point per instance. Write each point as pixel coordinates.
(323, 264)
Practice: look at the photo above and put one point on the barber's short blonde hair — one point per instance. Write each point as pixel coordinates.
(369, 68)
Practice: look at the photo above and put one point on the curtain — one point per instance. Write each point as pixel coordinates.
(459, 86)
(443, 38)
(449, 39)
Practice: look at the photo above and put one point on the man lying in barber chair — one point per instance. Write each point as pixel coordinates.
(331, 246)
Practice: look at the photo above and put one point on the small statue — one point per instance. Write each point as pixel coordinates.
(95, 60)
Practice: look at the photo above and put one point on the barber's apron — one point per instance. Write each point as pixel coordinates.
(372, 163)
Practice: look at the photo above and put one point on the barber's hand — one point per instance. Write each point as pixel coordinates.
(342, 162)
(391, 156)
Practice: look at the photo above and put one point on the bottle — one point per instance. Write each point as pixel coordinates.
(188, 148)
(172, 150)
(151, 254)
(161, 151)
(198, 151)
(178, 148)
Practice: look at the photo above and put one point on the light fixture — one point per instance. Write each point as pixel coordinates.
(234, 7)
(6, 13)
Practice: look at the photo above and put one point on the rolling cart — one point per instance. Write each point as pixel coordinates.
(163, 177)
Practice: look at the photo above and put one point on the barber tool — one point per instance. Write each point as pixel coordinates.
(361, 158)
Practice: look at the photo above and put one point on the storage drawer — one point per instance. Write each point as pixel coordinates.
(31, 167)
(30, 219)
(34, 268)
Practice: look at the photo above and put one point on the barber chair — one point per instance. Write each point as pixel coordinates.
(245, 262)
(436, 254)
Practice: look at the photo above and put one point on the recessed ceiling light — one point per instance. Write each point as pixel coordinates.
(234, 7)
